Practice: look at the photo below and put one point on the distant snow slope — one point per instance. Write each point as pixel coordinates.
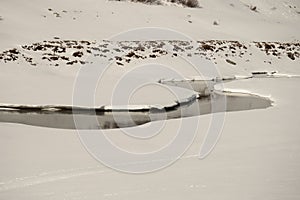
(29, 22)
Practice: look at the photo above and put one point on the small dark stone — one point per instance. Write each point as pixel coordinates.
(253, 8)
(59, 49)
(14, 51)
(268, 46)
(38, 48)
(140, 48)
(45, 58)
(71, 62)
(260, 73)
(230, 62)
(130, 54)
(78, 47)
(118, 58)
(85, 42)
(54, 58)
(207, 47)
(64, 58)
(156, 51)
(291, 55)
(56, 14)
(78, 54)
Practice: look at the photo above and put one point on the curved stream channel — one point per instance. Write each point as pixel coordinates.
(109, 117)
(206, 101)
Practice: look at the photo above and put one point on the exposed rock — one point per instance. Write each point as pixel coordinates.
(230, 62)
(78, 54)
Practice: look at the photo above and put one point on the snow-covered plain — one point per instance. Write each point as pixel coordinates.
(257, 155)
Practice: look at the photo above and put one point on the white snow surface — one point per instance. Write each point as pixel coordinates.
(257, 156)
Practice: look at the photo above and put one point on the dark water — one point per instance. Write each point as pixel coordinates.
(108, 118)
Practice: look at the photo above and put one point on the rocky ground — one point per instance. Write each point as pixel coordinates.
(75, 52)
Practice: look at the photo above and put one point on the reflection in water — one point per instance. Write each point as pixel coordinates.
(109, 117)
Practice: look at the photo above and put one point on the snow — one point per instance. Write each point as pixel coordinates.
(257, 155)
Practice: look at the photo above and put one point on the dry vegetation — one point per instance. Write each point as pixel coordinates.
(185, 3)
(72, 52)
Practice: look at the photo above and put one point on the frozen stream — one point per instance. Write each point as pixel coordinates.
(107, 117)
